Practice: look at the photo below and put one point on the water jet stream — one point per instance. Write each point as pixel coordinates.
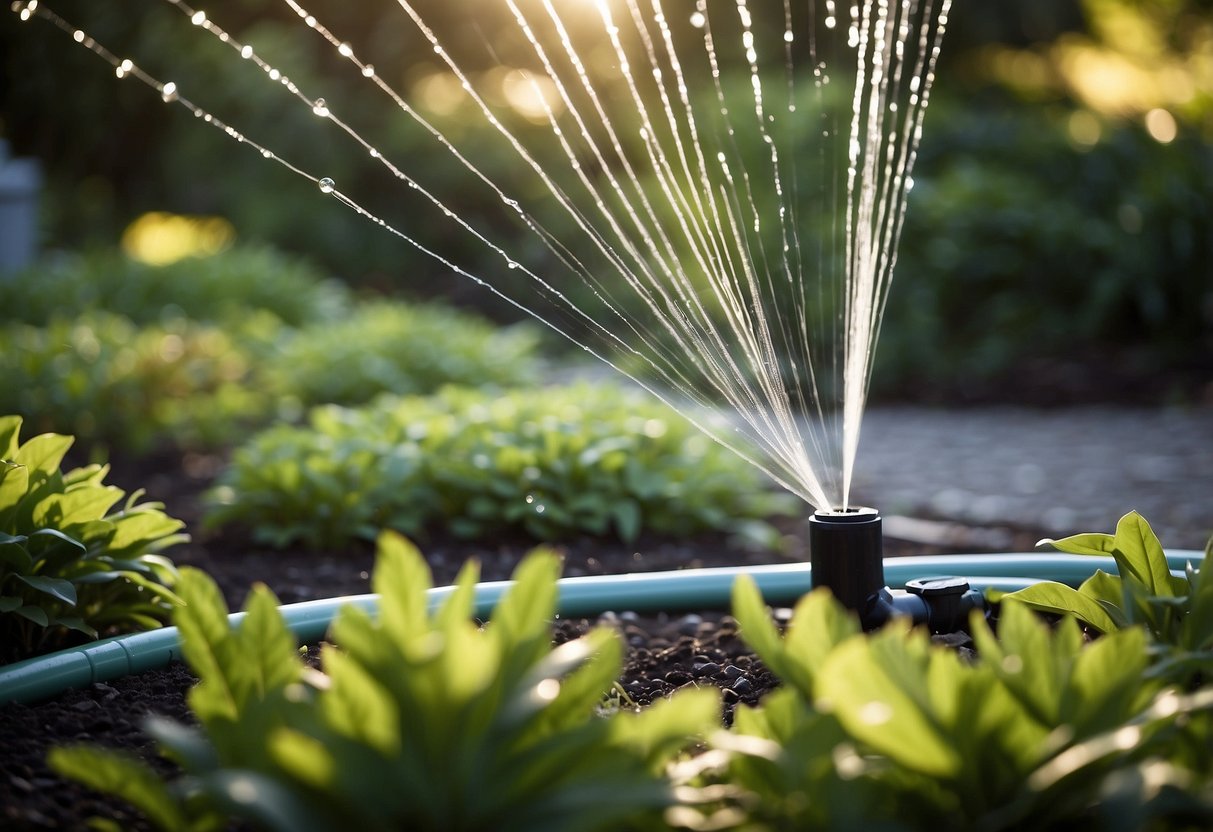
(717, 196)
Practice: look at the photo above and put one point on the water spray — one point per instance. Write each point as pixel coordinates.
(846, 549)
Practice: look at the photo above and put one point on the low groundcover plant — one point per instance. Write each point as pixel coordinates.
(68, 560)
(549, 464)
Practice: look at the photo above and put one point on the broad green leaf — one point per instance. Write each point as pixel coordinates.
(14, 483)
(1197, 631)
(669, 725)
(1106, 682)
(1140, 556)
(8, 603)
(43, 453)
(58, 588)
(75, 623)
(1082, 544)
(401, 578)
(57, 537)
(819, 624)
(135, 531)
(880, 689)
(207, 644)
(10, 431)
(1063, 600)
(268, 646)
(1105, 587)
(34, 614)
(522, 619)
(14, 556)
(74, 507)
(1030, 662)
(358, 706)
(457, 607)
(124, 776)
(760, 634)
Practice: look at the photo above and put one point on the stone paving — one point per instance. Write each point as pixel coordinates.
(1059, 471)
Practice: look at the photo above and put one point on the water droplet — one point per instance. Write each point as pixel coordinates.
(368, 71)
(320, 108)
(698, 20)
(326, 185)
(168, 92)
(345, 50)
(274, 74)
(246, 52)
(198, 18)
(530, 498)
(78, 36)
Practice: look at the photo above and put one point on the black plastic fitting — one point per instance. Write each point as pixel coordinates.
(846, 550)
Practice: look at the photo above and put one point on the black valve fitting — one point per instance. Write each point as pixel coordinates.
(846, 550)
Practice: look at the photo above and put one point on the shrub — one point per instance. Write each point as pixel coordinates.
(1019, 245)
(391, 347)
(549, 464)
(224, 288)
(68, 560)
(420, 720)
(106, 380)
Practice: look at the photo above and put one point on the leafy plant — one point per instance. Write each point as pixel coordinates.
(419, 720)
(1041, 730)
(549, 464)
(392, 347)
(105, 380)
(226, 288)
(68, 560)
(1177, 612)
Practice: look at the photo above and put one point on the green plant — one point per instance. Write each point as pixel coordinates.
(1042, 730)
(68, 560)
(1177, 612)
(420, 719)
(105, 380)
(1022, 245)
(226, 288)
(391, 347)
(549, 464)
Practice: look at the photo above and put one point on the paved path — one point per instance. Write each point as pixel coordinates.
(1064, 471)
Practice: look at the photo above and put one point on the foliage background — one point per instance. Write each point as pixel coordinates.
(1075, 244)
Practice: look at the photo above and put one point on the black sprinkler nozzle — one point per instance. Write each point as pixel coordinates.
(846, 550)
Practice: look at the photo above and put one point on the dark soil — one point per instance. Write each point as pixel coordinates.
(664, 652)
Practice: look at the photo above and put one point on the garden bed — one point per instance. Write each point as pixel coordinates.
(664, 652)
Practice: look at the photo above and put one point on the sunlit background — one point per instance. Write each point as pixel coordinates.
(1062, 215)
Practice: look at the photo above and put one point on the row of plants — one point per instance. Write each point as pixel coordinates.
(421, 718)
(116, 352)
(544, 464)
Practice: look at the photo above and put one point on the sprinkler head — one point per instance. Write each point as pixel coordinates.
(845, 548)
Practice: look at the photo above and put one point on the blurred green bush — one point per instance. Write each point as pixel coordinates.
(1021, 244)
(226, 288)
(548, 464)
(131, 356)
(392, 347)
